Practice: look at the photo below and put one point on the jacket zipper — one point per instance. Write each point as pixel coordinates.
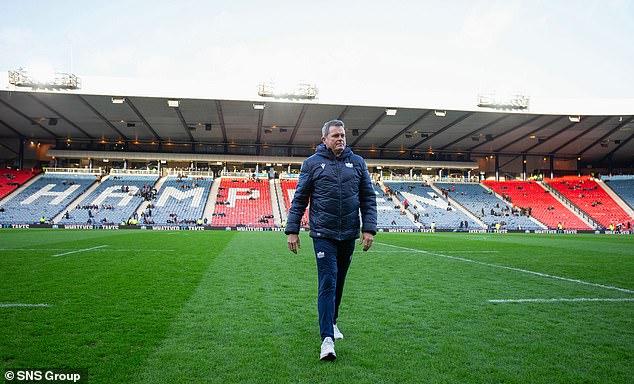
(339, 183)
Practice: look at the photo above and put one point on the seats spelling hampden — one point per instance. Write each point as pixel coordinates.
(45, 198)
(113, 201)
(243, 202)
(181, 200)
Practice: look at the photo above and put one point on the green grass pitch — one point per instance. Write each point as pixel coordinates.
(238, 307)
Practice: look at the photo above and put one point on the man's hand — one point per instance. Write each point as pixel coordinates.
(366, 239)
(293, 242)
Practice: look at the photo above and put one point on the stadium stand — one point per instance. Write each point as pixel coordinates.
(115, 200)
(46, 198)
(243, 202)
(428, 207)
(11, 179)
(390, 214)
(288, 191)
(543, 206)
(590, 197)
(487, 206)
(181, 200)
(622, 186)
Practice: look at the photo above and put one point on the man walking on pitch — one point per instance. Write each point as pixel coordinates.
(338, 185)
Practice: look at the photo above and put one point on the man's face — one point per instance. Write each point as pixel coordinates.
(335, 140)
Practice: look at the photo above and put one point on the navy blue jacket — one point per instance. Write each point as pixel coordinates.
(338, 188)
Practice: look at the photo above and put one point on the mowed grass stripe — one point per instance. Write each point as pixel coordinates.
(108, 311)
(239, 307)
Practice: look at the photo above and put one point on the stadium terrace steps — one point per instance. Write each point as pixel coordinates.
(544, 207)
(580, 213)
(9, 178)
(388, 216)
(275, 205)
(431, 207)
(181, 200)
(143, 206)
(488, 207)
(288, 187)
(280, 200)
(619, 197)
(19, 189)
(79, 199)
(243, 202)
(114, 200)
(211, 201)
(458, 204)
(586, 194)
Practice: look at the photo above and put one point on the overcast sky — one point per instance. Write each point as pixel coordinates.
(546, 48)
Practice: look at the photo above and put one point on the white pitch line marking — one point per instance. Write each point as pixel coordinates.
(511, 268)
(66, 249)
(407, 251)
(9, 305)
(559, 300)
(79, 250)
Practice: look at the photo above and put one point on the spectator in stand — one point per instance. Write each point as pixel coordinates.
(339, 186)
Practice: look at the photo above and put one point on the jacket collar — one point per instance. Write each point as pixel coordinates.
(324, 151)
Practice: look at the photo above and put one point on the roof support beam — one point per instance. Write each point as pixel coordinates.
(402, 131)
(142, 118)
(102, 117)
(619, 126)
(529, 134)
(298, 123)
(476, 131)
(623, 142)
(18, 134)
(443, 129)
(370, 127)
(59, 114)
(184, 124)
(564, 130)
(510, 131)
(32, 121)
(221, 121)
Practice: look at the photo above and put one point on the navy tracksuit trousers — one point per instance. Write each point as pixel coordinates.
(333, 259)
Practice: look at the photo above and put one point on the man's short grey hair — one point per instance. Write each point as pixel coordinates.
(331, 123)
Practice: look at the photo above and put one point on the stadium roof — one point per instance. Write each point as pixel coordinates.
(216, 123)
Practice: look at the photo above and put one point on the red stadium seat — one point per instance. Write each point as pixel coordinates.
(590, 197)
(544, 207)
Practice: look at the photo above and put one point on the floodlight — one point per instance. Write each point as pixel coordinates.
(574, 119)
(52, 121)
(173, 103)
(118, 100)
(208, 127)
(391, 111)
(258, 106)
(300, 90)
(440, 113)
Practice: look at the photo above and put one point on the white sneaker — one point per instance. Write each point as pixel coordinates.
(337, 332)
(327, 350)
